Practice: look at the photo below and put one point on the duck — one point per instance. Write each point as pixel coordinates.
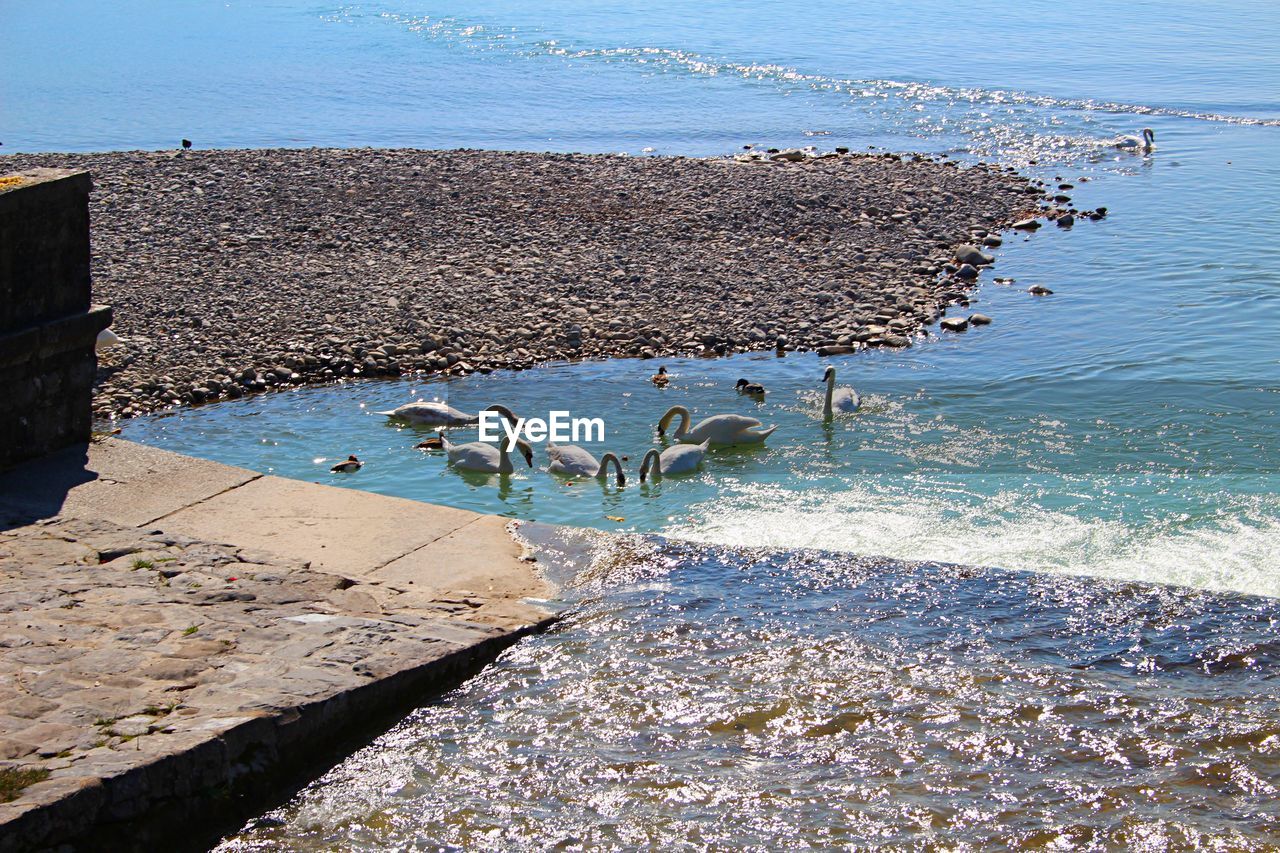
(660, 378)
(751, 389)
(485, 458)
(679, 459)
(576, 461)
(720, 429)
(431, 413)
(1146, 143)
(842, 400)
(348, 466)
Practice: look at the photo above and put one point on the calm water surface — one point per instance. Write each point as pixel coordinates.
(742, 691)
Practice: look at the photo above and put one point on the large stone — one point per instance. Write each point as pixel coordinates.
(967, 254)
(47, 326)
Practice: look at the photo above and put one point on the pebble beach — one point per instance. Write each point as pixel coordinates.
(234, 272)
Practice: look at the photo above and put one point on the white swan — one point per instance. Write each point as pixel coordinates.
(1145, 143)
(578, 462)
(679, 459)
(486, 458)
(720, 429)
(426, 413)
(843, 400)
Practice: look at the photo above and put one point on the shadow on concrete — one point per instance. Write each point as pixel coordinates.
(199, 820)
(38, 489)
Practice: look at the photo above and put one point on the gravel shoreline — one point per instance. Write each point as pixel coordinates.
(233, 272)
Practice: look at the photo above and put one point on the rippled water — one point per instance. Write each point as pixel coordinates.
(713, 699)
(1155, 480)
(1114, 438)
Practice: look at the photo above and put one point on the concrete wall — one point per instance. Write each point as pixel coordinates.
(47, 324)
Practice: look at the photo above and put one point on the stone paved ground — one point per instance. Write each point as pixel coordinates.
(122, 647)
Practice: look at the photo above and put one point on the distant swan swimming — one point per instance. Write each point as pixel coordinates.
(479, 456)
(680, 459)
(485, 458)
(720, 429)
(426, 413)
(578, 462)
(842, 400)
(1145, 143)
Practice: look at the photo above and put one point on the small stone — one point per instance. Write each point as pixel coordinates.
(1039, 290)
(954, 324)
(979, 320)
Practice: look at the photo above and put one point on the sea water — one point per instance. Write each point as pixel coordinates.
(1111, 447)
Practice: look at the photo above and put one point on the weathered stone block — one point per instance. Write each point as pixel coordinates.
(44, 246)
(47, 326)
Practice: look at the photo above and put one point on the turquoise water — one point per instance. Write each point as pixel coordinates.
(1161, 480)
(1122, 429)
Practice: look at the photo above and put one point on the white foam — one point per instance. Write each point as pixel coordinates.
(1235, 552)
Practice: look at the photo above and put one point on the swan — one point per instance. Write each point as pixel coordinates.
(577, 462)
(680, 459)
(348, 466)
(720, 429)
(660, 378)
(1145, 143)
(486, 458)
(751, 389)
(431, 413)
(843, 400)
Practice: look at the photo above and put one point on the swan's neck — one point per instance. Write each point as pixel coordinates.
(504, 458)
(504, 411)
(671, 413)
(656, 458)
(831, 389)
(604, 467)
